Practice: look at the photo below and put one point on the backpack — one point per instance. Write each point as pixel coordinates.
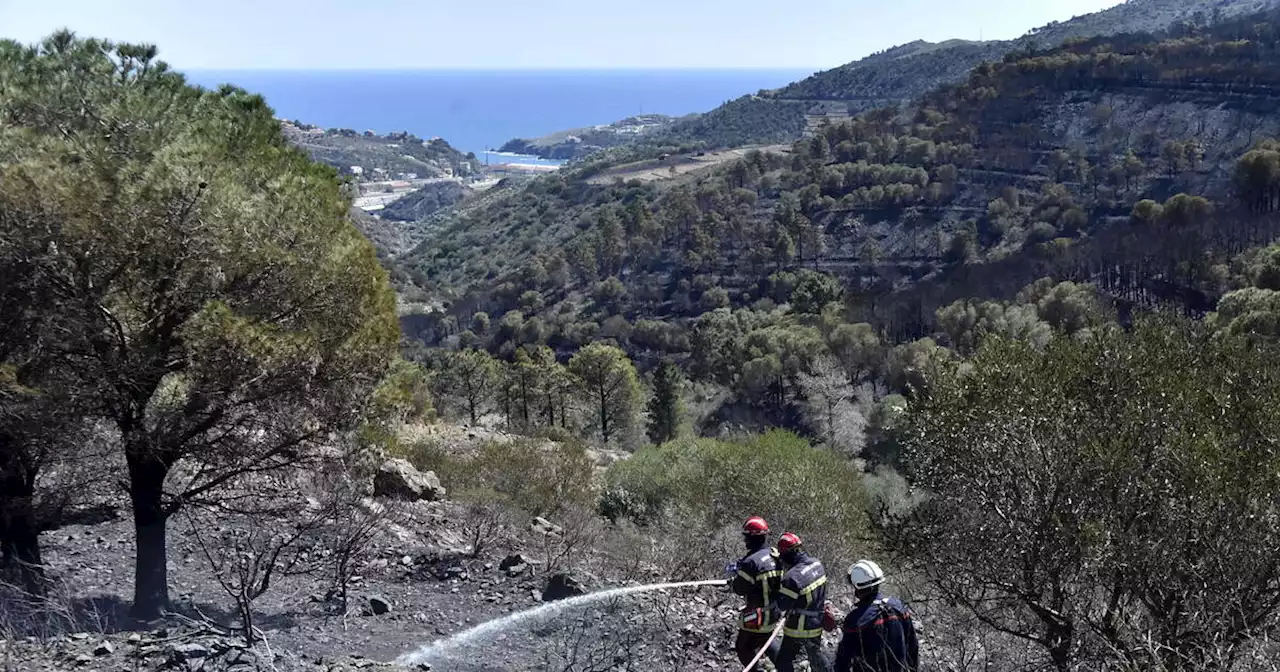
(885, 610)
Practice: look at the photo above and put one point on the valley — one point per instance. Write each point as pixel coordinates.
(1000, 316)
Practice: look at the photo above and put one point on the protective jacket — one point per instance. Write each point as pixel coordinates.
(757, 582)
(879, 636)
(802, 595)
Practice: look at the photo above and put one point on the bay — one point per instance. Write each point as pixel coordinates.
(478, 109)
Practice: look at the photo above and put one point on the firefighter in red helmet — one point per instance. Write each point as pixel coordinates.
(756, 577)
(802, 595)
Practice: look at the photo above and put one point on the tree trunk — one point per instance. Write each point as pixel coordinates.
(604, 416)
(146, 488)
(20, 533)
(524, 401)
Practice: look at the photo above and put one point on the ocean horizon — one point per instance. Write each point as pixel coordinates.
(475, 110)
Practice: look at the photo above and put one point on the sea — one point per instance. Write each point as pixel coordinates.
(479, 110)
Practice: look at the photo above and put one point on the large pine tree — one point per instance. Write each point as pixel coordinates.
(213, 294)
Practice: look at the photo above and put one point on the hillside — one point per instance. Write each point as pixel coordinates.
(579, 142)
(902, 74)
(1031, 168)
(381, 157)
(921, 336)
(426, 201)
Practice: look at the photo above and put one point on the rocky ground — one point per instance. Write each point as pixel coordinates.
(415, 585)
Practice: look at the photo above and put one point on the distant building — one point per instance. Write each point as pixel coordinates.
(357, 170)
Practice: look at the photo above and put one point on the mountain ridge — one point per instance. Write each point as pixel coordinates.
(1030, 168)
(901, 74)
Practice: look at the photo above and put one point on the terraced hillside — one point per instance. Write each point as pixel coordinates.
(1032, 167)
(902, 74)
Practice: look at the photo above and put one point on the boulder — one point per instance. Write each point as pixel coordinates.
(513, 560)
(517, 564)
(562, 586)
(104, 648)
(188, 651)
(379, 605)
(545, 527)
(398, 479)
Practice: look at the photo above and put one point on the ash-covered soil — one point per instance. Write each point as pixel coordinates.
(418, 566)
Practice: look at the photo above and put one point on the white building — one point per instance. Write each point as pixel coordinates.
(357, 170)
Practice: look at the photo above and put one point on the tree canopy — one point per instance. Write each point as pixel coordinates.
(216, 298)
(1107, 496)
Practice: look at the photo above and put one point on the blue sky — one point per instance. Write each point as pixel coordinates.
(401, 34)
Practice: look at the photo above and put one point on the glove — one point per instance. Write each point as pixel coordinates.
(731, 571)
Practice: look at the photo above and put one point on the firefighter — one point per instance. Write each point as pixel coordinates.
(755, 577)
(802, 596)
(879, 634)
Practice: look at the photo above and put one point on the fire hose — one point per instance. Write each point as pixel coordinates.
(768, 643)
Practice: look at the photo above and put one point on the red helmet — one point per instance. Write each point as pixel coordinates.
(755, 527)
(790, 541)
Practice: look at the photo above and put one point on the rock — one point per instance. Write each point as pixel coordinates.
(545, 527)
(188, 651)
(515, 565)
(398, 479)
(104, 648)
(379, 605)
(513, 560)
(562, 586)
(135, 638)
(84, 659)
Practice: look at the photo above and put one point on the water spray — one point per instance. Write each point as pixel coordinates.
(451, 646)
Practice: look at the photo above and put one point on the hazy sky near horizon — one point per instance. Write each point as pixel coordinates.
(404, 34)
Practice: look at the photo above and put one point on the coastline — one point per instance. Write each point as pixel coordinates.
(518, 167)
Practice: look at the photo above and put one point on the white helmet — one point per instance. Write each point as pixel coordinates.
(865, 574)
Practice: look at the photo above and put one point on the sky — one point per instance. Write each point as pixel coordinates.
(501, 34)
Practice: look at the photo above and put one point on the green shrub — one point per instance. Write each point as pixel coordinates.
(709, 485)
(538, 478)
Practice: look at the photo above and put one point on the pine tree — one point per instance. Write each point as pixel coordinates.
(607, 383)
(211, 289)
(665, 407)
